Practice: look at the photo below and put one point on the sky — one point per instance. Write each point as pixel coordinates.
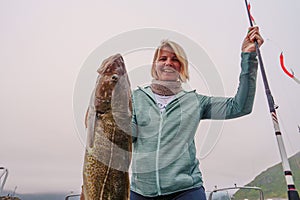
(50, 51)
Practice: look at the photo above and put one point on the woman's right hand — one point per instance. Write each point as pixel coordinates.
(249, 41)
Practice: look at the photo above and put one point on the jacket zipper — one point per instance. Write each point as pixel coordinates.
(157, 154)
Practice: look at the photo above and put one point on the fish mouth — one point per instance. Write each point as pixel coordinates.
(101, 110)
(102, 106)
(102, 102)
(99, 113)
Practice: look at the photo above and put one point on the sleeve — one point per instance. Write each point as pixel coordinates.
(242, 103)
(133, 121)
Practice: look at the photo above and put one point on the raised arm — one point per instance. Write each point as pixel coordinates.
(242, 103)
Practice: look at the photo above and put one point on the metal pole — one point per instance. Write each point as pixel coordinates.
(5, 174)
(71, 196)
(292, 192)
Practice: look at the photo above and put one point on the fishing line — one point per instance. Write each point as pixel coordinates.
(287, 135)
(280, 49)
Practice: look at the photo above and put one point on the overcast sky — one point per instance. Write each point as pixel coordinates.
(45, 51)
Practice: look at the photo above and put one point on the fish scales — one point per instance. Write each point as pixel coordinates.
(108, 121)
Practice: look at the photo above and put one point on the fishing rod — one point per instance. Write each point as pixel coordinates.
(292, 192)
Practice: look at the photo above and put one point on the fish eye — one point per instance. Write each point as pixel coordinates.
(114, 77)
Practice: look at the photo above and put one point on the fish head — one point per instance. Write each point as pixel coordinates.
(112, 75)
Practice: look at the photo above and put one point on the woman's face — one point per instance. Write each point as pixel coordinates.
(167, 65)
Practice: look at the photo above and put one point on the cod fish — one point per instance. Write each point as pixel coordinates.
(108, 124)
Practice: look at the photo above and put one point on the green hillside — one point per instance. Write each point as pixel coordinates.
(272, 181)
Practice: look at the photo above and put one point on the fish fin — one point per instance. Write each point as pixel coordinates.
(90, 121)
(86, 118)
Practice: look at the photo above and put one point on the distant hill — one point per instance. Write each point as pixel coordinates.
(272, 181)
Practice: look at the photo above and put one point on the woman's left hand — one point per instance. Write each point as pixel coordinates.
(253, 35)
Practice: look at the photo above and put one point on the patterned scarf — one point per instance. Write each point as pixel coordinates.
(166, 88)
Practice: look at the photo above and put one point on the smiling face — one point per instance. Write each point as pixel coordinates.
(170, 62)
(167, 65)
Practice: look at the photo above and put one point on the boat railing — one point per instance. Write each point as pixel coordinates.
(236, 188)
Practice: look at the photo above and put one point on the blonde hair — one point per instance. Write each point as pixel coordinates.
(180, 54)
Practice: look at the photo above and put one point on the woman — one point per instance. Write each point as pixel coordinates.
(165, 120)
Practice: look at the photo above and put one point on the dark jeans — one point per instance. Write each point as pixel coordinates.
(192, 194)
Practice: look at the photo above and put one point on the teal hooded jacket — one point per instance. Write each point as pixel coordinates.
(164, 153)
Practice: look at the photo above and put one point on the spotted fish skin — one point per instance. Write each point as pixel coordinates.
(108, 121)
